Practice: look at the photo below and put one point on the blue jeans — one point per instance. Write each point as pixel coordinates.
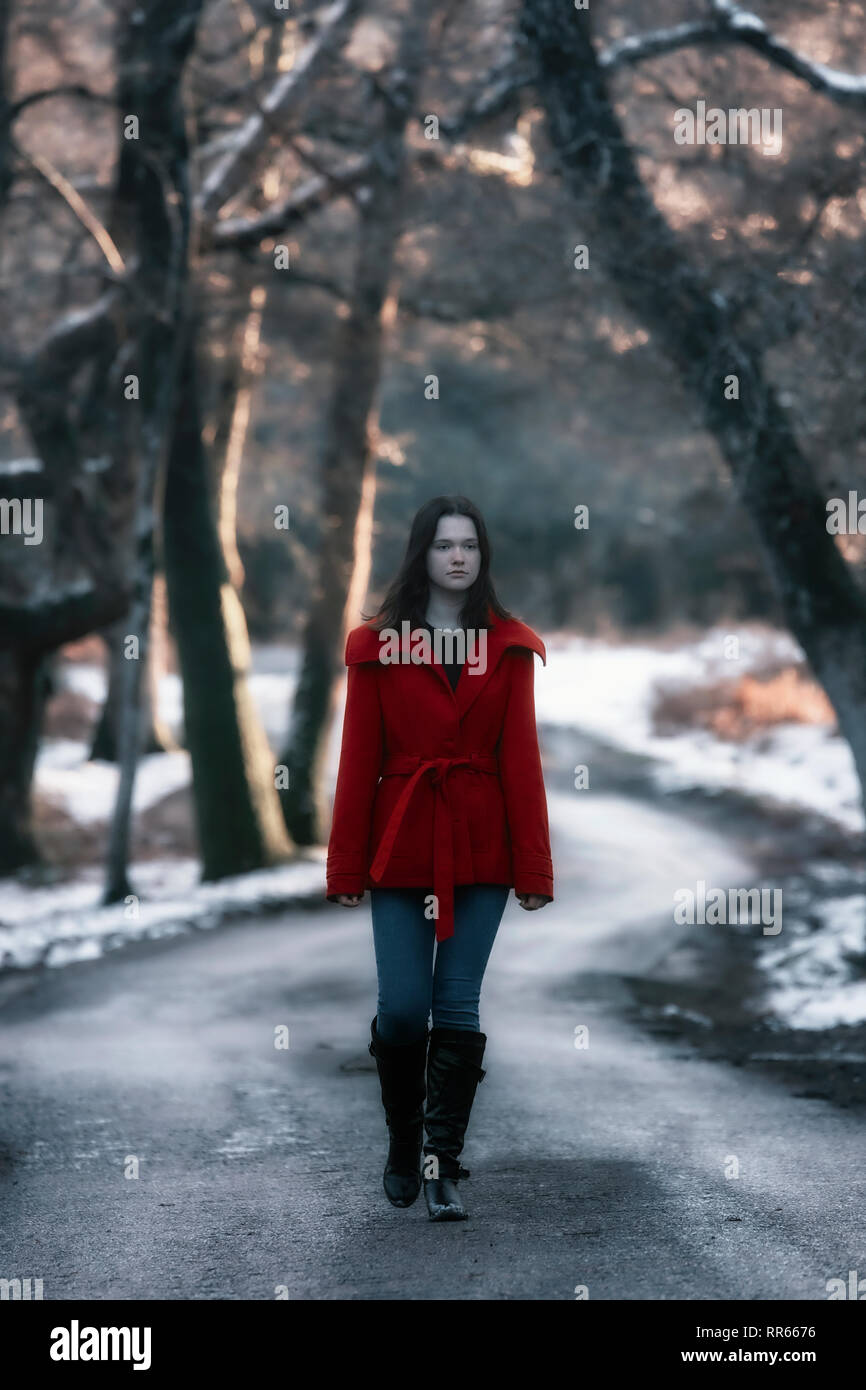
(409, 983)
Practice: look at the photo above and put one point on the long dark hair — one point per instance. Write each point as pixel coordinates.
(408, 593)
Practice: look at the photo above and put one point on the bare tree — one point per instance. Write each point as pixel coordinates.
(69, 392)
(153, 216)
(659, 283)
(238, 813)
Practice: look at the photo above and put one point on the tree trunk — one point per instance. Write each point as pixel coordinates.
(28, 633)
(348, 459)
(157, 667)
(237, 809)
(105, 740)
(153, 219)
(6, 157)
(822, 602)
(24, 686)
(247, 367)
(129, 698)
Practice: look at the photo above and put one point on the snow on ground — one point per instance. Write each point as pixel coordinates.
(86, 790)
(58, 925)
(813, 975)
(814, 970)
(604, 688)
(608, 689)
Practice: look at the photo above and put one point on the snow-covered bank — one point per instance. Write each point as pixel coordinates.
(86, 790)
(608, 689)
(814, 972)
(604, 688)
(64, 923)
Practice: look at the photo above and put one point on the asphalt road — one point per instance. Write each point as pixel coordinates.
(607, 1167)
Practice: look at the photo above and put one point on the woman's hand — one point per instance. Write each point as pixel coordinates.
(532, 901)
(349, 899)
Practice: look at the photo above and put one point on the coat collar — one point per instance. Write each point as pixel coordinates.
(363, 644)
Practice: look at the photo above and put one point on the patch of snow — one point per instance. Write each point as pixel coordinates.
(58, 925)
(816, 978)
(11, 467)
(608, 690)
(83, 678)
(86, 790)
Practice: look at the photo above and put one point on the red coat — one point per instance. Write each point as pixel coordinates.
(439, 787)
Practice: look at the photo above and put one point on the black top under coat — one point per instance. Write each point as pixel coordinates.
(452, 669)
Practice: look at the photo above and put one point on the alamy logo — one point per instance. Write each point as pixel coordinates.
(716, 907)
(22, 1289)
(846, 517)
(76, 1343)
(856, 1288)
(22, 517)
(736, 126)
(414, 646)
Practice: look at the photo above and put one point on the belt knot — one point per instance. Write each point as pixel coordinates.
(414, 768)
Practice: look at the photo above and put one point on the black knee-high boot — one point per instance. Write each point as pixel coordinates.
(401, 1076)
(453, 1073)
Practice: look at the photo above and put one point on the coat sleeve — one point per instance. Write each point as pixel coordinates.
(523, 783)
(358, 775)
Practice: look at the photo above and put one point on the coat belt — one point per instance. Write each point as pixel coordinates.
(400, 764)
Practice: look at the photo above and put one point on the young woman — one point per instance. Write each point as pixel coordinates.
(439, 810)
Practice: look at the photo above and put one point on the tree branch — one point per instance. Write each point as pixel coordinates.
(82, 210)
(73, 338)
(71, 89)
(730, 24)
(234, 165)
(45, 623)
(235, 232)
(509, 76)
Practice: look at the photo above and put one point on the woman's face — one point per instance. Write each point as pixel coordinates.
(454, 557)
